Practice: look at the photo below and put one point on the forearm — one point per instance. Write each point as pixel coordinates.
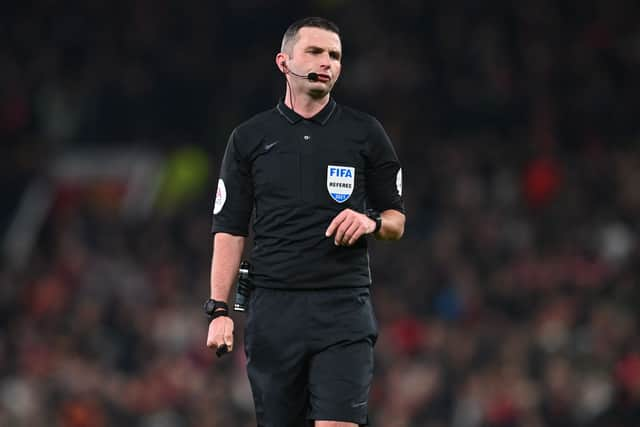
(392, 225)
(227, 251)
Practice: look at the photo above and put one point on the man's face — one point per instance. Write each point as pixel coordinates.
(318, 51)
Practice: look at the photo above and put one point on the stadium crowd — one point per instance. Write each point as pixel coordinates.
(512, 300)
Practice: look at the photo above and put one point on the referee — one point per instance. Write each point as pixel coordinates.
(320, 177)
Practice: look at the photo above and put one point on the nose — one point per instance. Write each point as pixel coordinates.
(325, 61)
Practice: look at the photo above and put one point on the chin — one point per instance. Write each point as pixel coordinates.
(319, 92)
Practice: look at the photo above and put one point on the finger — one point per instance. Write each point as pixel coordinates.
(335, 223)
(211, 338)
(228, 337)
(216, 342)
(353, 228)
(357, 234)
(344, 226)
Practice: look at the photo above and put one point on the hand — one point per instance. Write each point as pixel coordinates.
(349, 226)
(221, 334)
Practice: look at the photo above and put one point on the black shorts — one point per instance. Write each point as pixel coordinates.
(310, 355)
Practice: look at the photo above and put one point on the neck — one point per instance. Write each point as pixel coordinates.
(304, 104)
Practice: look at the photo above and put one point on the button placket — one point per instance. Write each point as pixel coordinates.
(307, 161)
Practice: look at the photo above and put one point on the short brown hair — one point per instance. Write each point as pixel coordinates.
(291, 35)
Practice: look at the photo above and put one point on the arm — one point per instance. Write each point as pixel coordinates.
(224, 270)
(392, 225)
(232, 209)
(349, 225)
(227, 251)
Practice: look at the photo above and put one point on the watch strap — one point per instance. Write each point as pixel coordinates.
(375, 215)
(214, 308)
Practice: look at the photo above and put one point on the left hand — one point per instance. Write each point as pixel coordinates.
(348, 226)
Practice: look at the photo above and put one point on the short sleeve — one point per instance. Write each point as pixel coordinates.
(234, 193)
(384, 172)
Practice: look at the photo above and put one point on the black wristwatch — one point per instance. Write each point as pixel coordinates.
(213, 308)
(375, 215)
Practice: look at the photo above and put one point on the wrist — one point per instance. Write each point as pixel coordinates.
(215, 308)
(372, 226)
(376, 218)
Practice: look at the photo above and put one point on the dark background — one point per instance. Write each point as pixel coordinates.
(512, 299)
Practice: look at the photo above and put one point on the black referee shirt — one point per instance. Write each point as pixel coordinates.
(298, 174)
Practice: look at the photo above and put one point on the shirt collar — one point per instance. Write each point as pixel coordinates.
(322, 117)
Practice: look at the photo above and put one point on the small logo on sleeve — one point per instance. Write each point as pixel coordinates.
(399, 182)
(221, 197)
(340, 182)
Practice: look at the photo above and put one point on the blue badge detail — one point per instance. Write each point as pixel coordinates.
(340, 182)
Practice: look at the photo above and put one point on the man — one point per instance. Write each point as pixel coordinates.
(320, 177)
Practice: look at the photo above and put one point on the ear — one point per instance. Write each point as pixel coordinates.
(281, 59)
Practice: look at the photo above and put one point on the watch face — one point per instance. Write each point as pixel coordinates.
(209, 306)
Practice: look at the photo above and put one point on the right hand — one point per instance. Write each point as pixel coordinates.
(220, 333)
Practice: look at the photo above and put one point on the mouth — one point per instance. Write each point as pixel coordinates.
(323, 77)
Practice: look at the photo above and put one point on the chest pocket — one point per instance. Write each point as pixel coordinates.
(277, 173)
